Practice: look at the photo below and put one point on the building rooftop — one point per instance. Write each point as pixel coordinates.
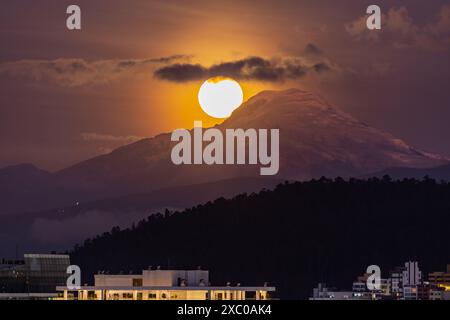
(171, 288)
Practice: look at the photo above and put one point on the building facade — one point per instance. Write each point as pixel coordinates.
(440, 279)
(36, 276)
(396, 281)
(404, 283)
(162, 285)
(322, 292)
(412, 281)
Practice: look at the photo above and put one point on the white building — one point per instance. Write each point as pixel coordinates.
(162, 285)
(412, 278)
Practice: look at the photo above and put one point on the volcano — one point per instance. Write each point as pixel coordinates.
(316, 139)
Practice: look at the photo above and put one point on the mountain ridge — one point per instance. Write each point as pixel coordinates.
(291, 105)
(316, 139)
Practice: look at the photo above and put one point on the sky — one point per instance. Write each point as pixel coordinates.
(135, 68)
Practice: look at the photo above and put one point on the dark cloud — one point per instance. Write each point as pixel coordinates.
(170, 59)
(79, 72)
(321, 67)
(312, 49)
(251, 68)
(181, 72)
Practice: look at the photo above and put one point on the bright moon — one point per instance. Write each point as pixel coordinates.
(219, 97)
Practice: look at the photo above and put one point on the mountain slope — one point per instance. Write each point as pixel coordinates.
(316, 139)
(319, 139)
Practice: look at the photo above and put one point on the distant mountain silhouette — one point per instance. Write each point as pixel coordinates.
(23, 187)
(25, 174)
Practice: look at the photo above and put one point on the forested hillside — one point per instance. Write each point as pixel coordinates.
(292, 237)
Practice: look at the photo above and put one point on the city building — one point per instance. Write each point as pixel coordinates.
(34, 277)
(162, 285)
(396, 282)
(412, 280)
(424, 290)
(410, 293)
(361, 291)
(322, 292)
(359, 288)
(441, 279)
(403, 283)
(436, 294)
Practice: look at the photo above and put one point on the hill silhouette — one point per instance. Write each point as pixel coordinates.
(293, 237)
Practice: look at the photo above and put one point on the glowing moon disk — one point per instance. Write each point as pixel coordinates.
(219, 96)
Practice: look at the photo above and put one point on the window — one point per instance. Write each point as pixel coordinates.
(137, 282)
(91, 295)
